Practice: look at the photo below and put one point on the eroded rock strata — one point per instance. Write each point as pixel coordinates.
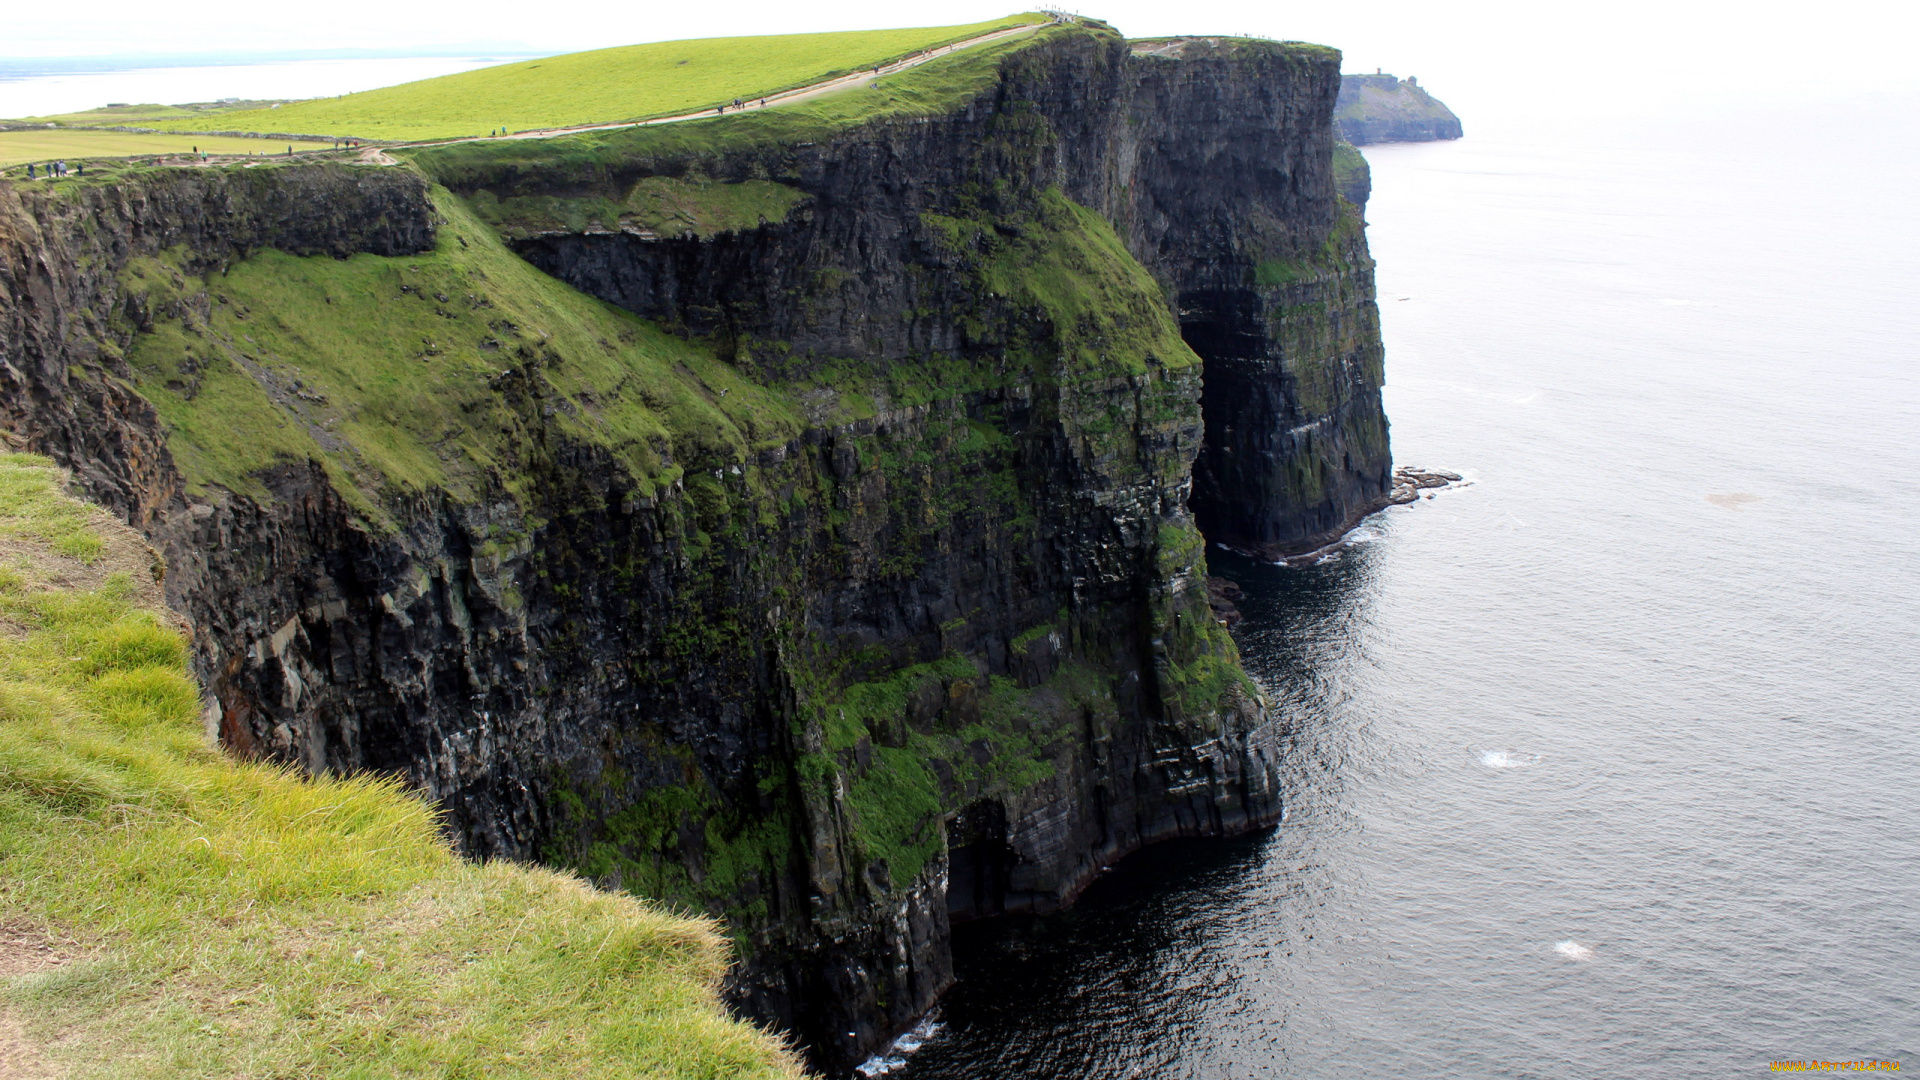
(877, 604)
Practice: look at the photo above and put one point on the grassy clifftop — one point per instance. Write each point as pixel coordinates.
(21, 147)
(602, 86)
(171, 912)
(933, 89)
(597, 87)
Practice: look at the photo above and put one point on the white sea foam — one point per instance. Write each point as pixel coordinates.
(895, 1055)
(1330, 555)
(1504, 759)
(1326, 556)
(1573, 950)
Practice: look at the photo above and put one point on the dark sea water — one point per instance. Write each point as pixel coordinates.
(1608, 764)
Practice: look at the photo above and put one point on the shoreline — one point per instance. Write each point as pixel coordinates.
(1408, 482)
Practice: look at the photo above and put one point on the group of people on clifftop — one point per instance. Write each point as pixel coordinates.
(56, 169)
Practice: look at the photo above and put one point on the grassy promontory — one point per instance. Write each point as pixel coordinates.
(632, 82)
(171, 912)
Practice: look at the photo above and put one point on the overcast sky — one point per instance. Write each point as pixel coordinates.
(1620, 55)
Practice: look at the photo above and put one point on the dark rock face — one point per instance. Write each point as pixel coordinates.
(1351, 175)
(942, 662)
(1297, 449)
(1274, 290)
(1383, 108)
(1213, 158)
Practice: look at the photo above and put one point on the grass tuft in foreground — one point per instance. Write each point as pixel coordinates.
(220, 919)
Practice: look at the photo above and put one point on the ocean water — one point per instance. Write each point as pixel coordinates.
(1607, 763)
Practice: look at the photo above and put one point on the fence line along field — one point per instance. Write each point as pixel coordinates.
(632, 82)
(58, 144)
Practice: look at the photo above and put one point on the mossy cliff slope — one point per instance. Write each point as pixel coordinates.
(787, 515)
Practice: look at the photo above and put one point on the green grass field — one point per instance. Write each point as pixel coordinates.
(927, 90)
(170, 912)
(148, 115)
(602, 86)
(47, 144)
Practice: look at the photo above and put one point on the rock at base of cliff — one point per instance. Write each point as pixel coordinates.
(1222, 596)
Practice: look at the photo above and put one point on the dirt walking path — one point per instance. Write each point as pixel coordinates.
(24, 952)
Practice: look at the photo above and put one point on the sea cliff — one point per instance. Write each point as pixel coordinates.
(801, 519)
(1382, 108)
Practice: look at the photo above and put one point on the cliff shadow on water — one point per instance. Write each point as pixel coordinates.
(796, 517)
(1089, 977)
(1167, 947)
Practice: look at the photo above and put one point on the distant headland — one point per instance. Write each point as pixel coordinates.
(1381, 108)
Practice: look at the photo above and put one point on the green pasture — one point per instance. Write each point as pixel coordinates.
(927, 90)
(48, 144)
(603, 86)
(149, 115)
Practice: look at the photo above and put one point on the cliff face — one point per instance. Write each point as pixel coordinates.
(1383, 108)
(1269, 272)
(874, 603)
